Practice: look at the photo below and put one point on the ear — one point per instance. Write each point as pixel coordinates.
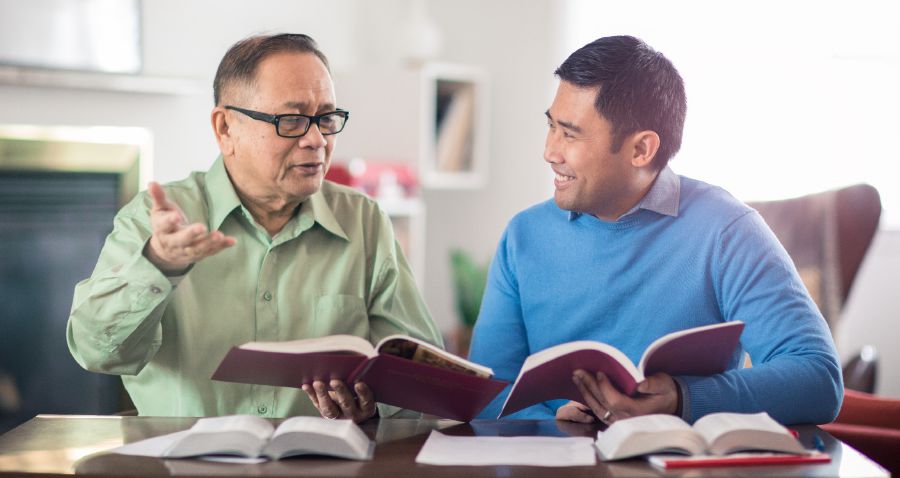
(644, 145)
(222, 131)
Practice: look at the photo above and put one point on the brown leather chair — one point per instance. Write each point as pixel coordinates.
(827, 235)
(871, 424)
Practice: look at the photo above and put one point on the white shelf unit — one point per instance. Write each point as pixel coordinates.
(434, 117)
(408, 219)
(396, 114)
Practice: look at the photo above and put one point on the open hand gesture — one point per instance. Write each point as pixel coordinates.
(175, 244)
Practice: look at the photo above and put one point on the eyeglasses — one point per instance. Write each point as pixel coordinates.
(296, 125)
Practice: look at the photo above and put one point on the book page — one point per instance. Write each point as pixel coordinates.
(331, 343)
(423, 352)
(243, 435)
(729, 432)
(538, 358)
(321, 436)
(648, 434)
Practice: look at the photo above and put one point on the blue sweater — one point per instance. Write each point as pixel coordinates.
(558, 277)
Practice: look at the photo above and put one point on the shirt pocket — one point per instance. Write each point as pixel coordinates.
(340, 314)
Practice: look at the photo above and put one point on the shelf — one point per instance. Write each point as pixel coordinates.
(433, 117)
(118, 83)
(401, 207)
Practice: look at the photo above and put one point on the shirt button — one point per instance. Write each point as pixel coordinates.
(267, 296)
(155, 290)
(262, 409)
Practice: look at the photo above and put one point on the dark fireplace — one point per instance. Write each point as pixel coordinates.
(53, 222)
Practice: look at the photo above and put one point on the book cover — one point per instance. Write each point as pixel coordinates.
(547, 375)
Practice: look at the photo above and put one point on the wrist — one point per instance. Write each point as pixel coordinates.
(168, 268)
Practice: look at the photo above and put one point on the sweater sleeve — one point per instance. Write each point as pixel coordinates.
(500, 340)
(795, 375)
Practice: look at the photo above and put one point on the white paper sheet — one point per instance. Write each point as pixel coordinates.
(442, 449)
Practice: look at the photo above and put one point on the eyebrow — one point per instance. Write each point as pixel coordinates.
(565, 124)
(300, 106)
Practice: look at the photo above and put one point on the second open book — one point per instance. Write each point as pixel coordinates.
(718, 439)
(547, 375)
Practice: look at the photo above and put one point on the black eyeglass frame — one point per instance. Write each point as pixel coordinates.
(276, 119)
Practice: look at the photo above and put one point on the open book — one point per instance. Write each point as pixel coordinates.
(254, 437)
(547, 375)
(715, 434)
(401, 371)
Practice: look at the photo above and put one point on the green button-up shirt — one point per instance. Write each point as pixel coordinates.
(335, 268)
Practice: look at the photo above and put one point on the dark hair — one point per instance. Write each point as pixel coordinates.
(240, 62)
(640, 90)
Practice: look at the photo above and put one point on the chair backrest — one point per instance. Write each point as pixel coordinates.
(827, 235)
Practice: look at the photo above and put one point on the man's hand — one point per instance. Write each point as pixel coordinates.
(175, 244)
(657, 394)
(339, 402)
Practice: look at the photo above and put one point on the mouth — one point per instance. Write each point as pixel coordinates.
(561, 180)
(309, 169)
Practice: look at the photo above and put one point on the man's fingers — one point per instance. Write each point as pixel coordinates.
(366, 399)
(327, 407)
(165, 222)
(574, 412)
(345, 399)
(158, 195)
(311, 394)
(592, 395)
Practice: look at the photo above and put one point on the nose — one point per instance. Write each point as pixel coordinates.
(313, 138)
(552, 153)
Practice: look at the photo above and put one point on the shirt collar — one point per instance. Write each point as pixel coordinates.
(317, 208)
(223, 200)
(220, 194)
(663, 197)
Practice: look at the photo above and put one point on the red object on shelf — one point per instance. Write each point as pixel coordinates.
(375, 177)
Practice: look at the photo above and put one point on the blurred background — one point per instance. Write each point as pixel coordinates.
(447, 97)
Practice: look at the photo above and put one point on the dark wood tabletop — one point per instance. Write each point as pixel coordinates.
(54, 445)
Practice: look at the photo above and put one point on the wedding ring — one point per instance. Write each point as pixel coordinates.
(189, 250)
(606, 415)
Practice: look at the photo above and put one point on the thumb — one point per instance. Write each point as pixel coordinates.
(159, 196)
(644, 387)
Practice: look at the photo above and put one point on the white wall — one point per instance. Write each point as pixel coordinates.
(785, 99)
(187, 40)
(872, 313)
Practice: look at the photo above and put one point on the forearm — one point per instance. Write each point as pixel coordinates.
(114, 326)
(792, 389)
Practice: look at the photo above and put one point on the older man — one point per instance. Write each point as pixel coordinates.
(259, 247)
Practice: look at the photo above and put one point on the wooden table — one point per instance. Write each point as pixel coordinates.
(54, 445)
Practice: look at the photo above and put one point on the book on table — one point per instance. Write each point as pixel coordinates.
(401, 371)
(254, 437)
(547, 375)
(718, 439)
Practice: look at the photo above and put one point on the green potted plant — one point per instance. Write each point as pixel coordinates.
(469, 280)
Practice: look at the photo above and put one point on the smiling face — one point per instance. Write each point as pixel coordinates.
(271, 171)
(589, 177)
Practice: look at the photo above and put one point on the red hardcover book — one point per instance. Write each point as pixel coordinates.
(400, 370)
(737, 459)
(547, 375)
